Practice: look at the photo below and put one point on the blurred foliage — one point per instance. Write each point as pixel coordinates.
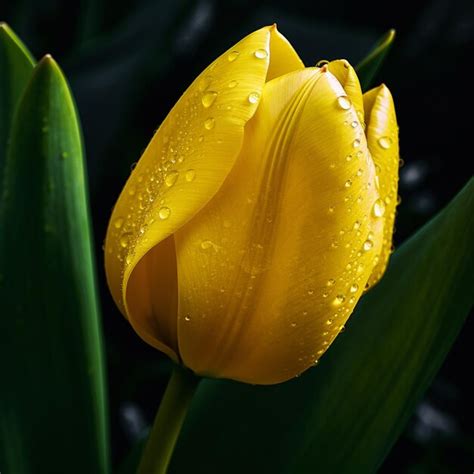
(129, 61)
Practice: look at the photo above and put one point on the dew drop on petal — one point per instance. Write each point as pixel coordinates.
(124, 239)
(233, 55)
(338, 300)
(164, 213)
(208, 98)
(344, 102)
(348, 183)
(385, 142)
(261, 53)
(368, 244)
(204, 83)
(356, 143)
(190, 175)
(232, 84)
(209, 123)
(379, 208)
(118, 223)
(171, 178)
(354, 287)
(253, 97)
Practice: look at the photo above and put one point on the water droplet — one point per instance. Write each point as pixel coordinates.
(344, 102)
(368, 244)
(124, 239)
(171, 178)
(338, 300)
(208, 98)
(331, 210)
(354, 124)
(379, 208)
(118, 222)
(348, 157)
(348, 183)
(232, 56)
(253, 97)
(207, 244)
(356, 143)
(209, 123)
(128, 259)
(354, 287)
(359, 172)
(261, 53)
(164, 213)
(204, 83)
(331, 282)
(232, 84)
(293, 325)
(377, 182)
(385, 142)
(310, 292)
(187, 318)
(329, 322)
(190, 175)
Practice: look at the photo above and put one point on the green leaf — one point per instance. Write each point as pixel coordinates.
(344, 415)
(52, 402)
(16, 66)
(368, 67)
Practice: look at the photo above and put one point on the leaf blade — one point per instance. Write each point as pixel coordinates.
(369, 66)
(16, 66)
(50, 332)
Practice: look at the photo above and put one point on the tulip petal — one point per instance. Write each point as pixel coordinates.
(180, 171)
(347, 76)
(284, 58)
(382, 139)
(273, 266)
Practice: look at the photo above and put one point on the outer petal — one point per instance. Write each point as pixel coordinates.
(347, 76)
(382, 138)
(284, 58)
(180, 171)
(272, 267)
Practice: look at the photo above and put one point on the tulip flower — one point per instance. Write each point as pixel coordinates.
(257, 216)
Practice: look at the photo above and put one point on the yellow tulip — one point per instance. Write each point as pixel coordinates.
(259, 213)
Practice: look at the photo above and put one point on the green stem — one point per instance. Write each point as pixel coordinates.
(168, 421)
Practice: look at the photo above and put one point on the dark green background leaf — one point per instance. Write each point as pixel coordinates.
(344, 415)
(52, 402)
(368, 67)
(16, 66)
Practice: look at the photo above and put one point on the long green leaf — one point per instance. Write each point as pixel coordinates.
(16, 66)
(344, 415)
(368, 67)
(52, 402)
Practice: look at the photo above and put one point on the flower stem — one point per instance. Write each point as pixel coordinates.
(168, 421)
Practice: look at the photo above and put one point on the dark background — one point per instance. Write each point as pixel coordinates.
(129, 61)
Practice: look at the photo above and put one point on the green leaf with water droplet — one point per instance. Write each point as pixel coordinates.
(344, 415)
(16, 66)
(52, 402)
(368, 67)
